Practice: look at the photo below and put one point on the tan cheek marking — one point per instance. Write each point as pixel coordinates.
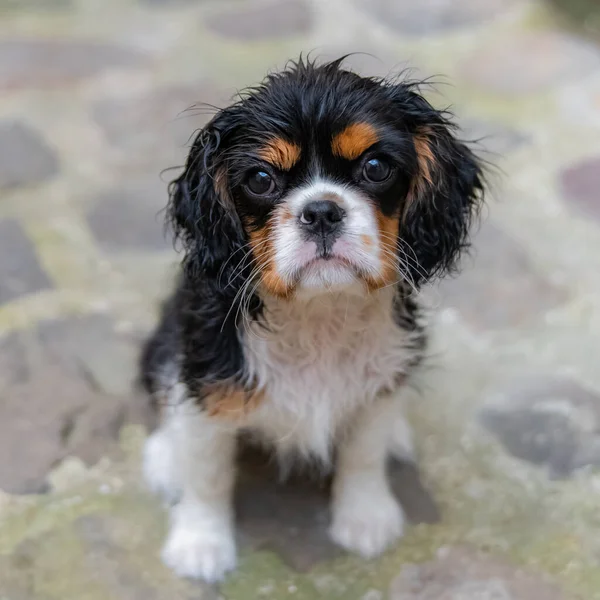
(281, 153)
(388, 232)
(275, 284)
(367, 240)
(354, 140)
(232, 403)
(261, 242)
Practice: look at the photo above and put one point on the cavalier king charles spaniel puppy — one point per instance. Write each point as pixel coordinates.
(310, 212)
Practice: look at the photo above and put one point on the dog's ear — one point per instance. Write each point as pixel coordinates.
(446, 192)
(200, 211)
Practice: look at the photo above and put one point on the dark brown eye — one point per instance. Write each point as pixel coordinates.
(376, 170)
(260, 183)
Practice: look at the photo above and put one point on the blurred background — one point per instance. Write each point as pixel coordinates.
(93, 107)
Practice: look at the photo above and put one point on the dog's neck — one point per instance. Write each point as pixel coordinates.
(351, 309)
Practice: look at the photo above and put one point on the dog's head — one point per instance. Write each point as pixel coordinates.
(320, 179)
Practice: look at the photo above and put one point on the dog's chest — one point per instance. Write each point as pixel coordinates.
(318, 366)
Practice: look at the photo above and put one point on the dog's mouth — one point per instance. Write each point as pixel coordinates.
(342, 265)
(328, 271)
(329, 260)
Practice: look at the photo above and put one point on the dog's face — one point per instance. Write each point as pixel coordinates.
(320, 179)
(321, 193)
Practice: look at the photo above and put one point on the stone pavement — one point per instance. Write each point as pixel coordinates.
(93, 99)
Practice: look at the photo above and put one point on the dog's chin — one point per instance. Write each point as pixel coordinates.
(327, 275)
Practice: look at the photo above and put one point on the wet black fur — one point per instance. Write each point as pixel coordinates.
(311, 103)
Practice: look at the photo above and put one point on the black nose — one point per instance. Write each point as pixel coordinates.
(322, 217)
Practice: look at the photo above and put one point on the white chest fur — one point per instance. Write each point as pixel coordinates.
(318, 362)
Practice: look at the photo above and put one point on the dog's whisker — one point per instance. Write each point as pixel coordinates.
(256, 257)
(222, 269)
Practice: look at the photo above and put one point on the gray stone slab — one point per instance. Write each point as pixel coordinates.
(532, 62)
(25, 157)
(51, 416)
(169, 3)
(37, 5)
(464, 574)
(275, 19)
(32, 419)
(130, 217)
(498, 286)
(158, 127)
(580, 186)
(91, 346)
(14, 367)
(66, 389)
(20, 271)
(35, 62)
(551, 422)
(492, 137)
(432, 16)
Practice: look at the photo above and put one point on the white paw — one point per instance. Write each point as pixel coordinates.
(159, 466)
(200, 553)
(367, 524)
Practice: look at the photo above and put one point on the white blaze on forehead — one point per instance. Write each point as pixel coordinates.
(292, 251)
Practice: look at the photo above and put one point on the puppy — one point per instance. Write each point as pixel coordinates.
(309, 212)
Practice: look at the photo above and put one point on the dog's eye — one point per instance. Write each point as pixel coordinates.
(376, 170)
(260, 183)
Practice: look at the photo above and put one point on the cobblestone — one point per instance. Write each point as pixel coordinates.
(40, 63)
(532, 62)
(25, 157)
(271, 20)
(155, 128)
(67, 390)
(20, 270)
(130, 217)
(580, 184)
(493, 139)
(499, 286)
(552, 422)
(503, 503)
(432, 16)
(460, 573)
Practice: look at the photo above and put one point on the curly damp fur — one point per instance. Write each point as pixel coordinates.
(308, 343)
(217, 229)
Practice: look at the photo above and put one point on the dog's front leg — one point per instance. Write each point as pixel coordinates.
(195, 453)
(366, 517)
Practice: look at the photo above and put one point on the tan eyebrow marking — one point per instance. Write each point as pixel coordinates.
(281, 153)
(354, 140)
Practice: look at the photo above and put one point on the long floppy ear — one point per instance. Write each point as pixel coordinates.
(201, 211)
(445, 195)
(204, 219)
